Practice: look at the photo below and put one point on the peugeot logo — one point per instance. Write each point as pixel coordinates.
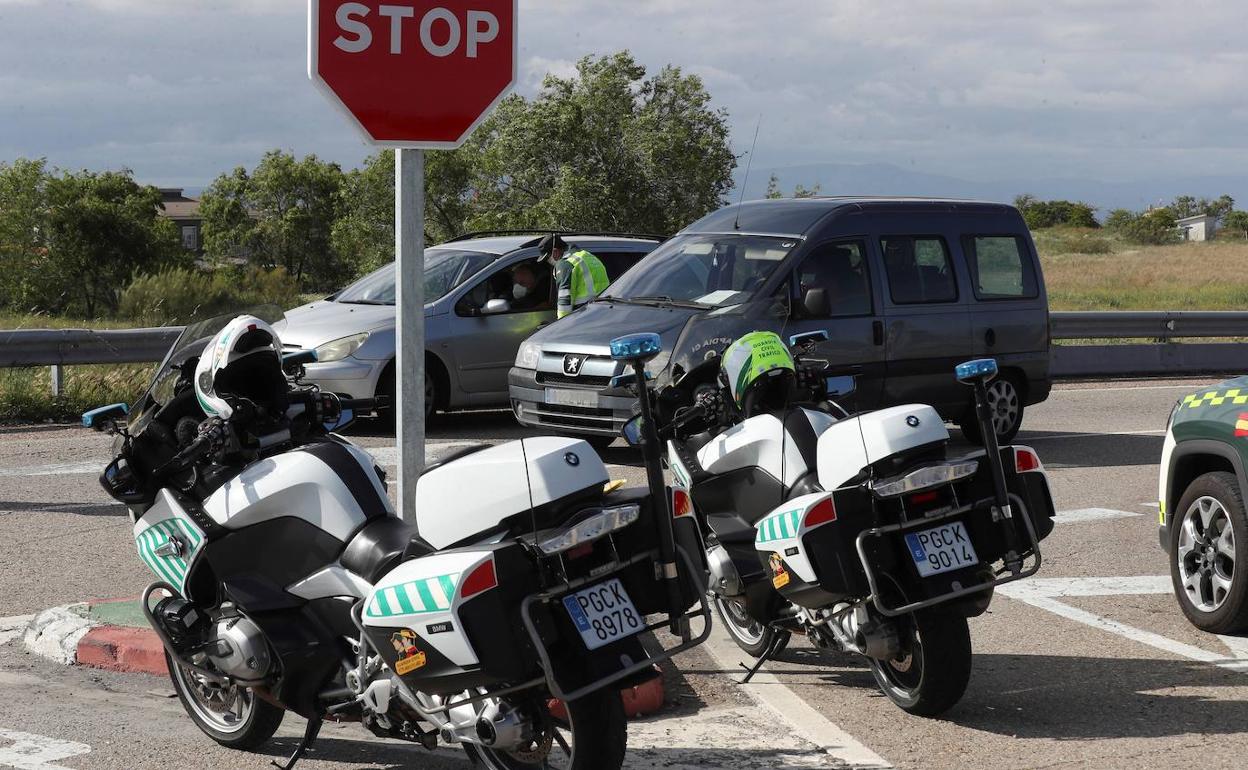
(912, 421)
(571, 458)
(572, 365)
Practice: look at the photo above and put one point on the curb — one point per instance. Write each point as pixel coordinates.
(69, 636)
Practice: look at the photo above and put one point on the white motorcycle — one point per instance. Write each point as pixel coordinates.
(504, 619)
(862, 532)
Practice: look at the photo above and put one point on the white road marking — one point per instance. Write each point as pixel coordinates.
(37, 752)
(1043, 594)
(720, 737)
(1091, 514)
(769, 692)
(1189, 386)
(1030, 439)
(13, 627)
(54, 469)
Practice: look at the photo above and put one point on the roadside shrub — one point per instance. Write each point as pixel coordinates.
(1071, 240)
(1151, 228)
(180, 296)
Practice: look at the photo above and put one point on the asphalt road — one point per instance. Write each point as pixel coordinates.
(1090, 664)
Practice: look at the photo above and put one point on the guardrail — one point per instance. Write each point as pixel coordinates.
(65, 347)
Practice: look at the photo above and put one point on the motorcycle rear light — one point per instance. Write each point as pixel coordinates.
(1026, 460)
(579, 551)
(924, 478)
(821, 513)
(602, 522)
(682, 504)
(923, 498)
(482, 578)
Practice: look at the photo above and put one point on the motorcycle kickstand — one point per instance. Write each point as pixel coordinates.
(772, 648)
(309, 737)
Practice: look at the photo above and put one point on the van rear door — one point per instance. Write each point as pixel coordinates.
(1010, 315)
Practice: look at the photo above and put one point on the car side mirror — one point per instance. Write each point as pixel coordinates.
(632, 432)
(496, 306)
(816, 304)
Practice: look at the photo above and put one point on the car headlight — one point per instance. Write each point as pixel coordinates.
(526, 357)
(340, 348)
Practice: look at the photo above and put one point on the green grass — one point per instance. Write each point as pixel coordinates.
(26, 394)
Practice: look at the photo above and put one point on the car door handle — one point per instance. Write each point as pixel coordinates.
(990, 337)
(877, 332)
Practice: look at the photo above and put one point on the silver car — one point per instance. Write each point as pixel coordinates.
(476, 317)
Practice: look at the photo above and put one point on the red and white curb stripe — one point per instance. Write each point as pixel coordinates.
(66, 636)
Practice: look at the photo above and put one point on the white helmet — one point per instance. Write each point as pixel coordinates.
(243, 360)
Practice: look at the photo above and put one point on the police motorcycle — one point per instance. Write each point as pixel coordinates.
(863, 532)
(504, 619)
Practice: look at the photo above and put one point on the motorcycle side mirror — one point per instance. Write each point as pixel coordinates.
(632, 432)
(293, 362)
(99, 419)
(808, 338)
(842, 386)
(345, 418)
(981, 370)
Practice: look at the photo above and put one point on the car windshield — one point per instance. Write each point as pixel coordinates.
(703, 269)
(444, 270)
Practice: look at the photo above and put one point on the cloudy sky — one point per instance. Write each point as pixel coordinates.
(1113, 90)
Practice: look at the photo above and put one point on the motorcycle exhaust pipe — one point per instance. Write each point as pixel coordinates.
(878, 640)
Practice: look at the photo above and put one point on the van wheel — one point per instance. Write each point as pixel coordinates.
(1005, 403)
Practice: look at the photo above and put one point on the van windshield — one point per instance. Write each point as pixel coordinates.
(444, 270)
(703, 269)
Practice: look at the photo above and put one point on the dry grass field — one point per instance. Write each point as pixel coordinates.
(1184, 276)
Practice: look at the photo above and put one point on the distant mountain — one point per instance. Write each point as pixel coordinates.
(887, 179)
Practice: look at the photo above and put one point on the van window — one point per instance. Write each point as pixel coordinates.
(918, 269)
(1000, 267)
(841, 268)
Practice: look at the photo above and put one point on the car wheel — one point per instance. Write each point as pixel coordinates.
(1208, 545)
(1005, 404)
(386, 387)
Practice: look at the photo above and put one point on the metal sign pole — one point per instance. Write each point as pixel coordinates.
(409, 253)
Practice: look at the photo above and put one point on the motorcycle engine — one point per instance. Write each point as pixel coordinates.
(239, 650)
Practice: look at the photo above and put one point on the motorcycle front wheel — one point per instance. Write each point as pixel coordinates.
(232, 716)
(930, 674)
(748, 633)
(592, 737)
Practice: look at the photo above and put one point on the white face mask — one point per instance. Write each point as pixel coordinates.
(519, 292)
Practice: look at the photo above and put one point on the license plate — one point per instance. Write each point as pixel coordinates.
(582, 398)
(603, 613)
(941, 549)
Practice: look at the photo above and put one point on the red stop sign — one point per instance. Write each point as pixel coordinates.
(413, 73)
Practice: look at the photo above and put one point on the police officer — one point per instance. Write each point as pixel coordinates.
(580, 276)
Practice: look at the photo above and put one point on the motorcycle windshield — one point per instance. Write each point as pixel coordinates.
(706, 335)
(185, 350)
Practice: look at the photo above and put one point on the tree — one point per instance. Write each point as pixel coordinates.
(103, 228)
(1236, 221)
(1184, 206)
(1218, 208)
(1119, 219)
(607, 149)
(23, 227)
(1039, 214)
(1189, 206)
(800, 191)
(363, 235)
(773, 188)
(280, 214)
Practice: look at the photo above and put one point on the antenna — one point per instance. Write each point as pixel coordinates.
(736, 222)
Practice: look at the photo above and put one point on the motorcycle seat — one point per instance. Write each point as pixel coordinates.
(381, 546)
(730, 528)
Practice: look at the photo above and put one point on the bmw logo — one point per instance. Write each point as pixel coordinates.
(912, 421)
(572, 459)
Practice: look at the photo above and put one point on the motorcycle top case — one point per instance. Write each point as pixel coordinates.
(169, 541)
(807, 547)
(451, 620)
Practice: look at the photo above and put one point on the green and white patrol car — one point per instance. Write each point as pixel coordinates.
(1203, 522)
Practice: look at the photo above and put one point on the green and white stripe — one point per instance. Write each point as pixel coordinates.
(171, 569)
(779, 526)
(415, 597)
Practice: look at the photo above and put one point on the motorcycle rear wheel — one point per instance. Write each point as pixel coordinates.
(932, 671)
(594, 737)
(234, 717)
(749, 634)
